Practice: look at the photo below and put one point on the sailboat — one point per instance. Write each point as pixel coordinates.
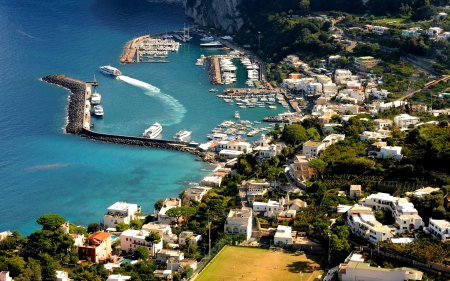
(186, 37)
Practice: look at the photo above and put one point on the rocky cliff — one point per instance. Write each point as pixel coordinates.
(221, 14)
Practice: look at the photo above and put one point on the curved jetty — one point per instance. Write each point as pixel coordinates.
(79, 120)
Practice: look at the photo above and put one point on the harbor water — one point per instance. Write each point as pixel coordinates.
(44, 170)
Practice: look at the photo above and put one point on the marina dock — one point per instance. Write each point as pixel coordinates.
(214, 70)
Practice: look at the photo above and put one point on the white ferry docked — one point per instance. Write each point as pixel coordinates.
(107, 69)
(153, 131)
(181, 135)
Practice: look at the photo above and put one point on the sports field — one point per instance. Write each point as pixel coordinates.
(245, 263)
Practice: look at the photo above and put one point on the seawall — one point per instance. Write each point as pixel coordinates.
(77, 116)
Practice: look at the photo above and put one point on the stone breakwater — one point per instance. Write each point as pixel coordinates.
(76, 111)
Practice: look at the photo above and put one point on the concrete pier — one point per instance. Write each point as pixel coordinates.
(214, 70)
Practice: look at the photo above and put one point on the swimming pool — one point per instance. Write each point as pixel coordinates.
(114, 237)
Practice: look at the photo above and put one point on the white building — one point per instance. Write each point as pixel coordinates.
(332, 139)
(255, 188)
(195, 238)
(270, 208)
(166, 255)
(313, 147)
(283, 235)
(195, 193)
(234, 145)
(239, 222)
(404, 120)
(379, 94)
(163, 229)
(61, 275)
(394, 151)
(440, 229)
(118, 277)
(168, 204)
(362, 223)
(120, 212)
(130, 239)
(359, 271)
(4, 276)
(380, 30)
(443, 36)
(367, 135)
(341, 76)
(329, 89)
(434, 31)
(406, 216)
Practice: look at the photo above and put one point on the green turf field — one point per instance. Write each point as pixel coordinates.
(245, 263)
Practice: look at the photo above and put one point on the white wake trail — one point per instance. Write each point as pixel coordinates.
(177, 109)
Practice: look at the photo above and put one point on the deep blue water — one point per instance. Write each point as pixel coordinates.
(43, 170)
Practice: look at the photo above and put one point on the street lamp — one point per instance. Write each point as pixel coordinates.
(209, 238)
(329, 247)
(259, 39)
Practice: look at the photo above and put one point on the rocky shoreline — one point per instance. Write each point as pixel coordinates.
(75, 112)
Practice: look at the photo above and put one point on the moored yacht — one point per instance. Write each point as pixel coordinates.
(211, 44)
(181, 135)
(237, 115)
(98, 110)
(96, 98)
(107, 69)
(207, 38)
(153, 131)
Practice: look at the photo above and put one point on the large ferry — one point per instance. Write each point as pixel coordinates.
(153, 131)
(98, 110)
(181, 135)
(107, 69)
(211, 44)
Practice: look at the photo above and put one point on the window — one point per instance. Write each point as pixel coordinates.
(126, 239)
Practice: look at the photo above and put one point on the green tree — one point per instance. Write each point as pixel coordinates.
(121, 226)
(32, 271)
(50, 221)
(141, 253)
(77, 229)
(294, 134)
(136, 224)
(93, 227)
(318, 165)
(159, 204)
(182, 212)
(153, 237)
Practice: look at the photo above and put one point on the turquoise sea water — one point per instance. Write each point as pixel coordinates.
(43, 170)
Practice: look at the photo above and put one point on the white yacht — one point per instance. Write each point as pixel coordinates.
(217, 136)
(107, 69)
(98, 110)
(227, 37)
(237, 115)
(181, 135)
(207, 38)
(96, 98)
(153, 131)
(211, 44)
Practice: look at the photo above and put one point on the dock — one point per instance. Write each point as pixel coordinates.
(214, 70)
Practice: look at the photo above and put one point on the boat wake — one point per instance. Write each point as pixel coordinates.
(173, 105)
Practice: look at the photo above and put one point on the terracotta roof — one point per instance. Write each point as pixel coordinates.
(99, 236)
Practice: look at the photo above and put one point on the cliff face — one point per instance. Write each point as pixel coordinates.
(221, 14)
